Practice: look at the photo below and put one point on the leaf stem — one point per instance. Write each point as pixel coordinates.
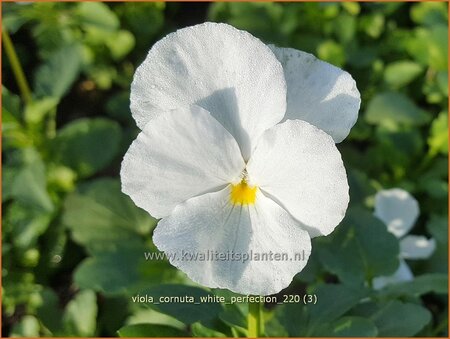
(16, 67)
(255, 321)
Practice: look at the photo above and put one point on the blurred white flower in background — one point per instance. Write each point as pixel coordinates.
(237, 153)
(399, 211)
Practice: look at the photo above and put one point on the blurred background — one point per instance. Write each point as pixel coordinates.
(73, 244)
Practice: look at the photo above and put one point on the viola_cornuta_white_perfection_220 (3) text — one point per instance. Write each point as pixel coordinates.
(237, 153)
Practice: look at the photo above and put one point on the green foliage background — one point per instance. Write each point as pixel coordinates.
(73, 244)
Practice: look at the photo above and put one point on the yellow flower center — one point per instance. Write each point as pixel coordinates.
(243, 194)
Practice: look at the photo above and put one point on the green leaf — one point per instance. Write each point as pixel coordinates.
(391, 109)
(27, 327)
(10, 103)
(123, 270)
(186, 312)
(103, 75)
(19, 288)
(351, 7)
(61, 178)
(49, 311)
(293, 318)
(332, 302)
(360, 187)
(331, 52)
(430, 13)
(438, 227)
(12, 17)
(113, 272)
(373, 24)
(150, 330)
(151, 316)
(26, 224)
(360, 249)
(274, 328)
(438, 47)
(98, 15)
(233, 317)
(395, 150)
(256, 18)
(101, 217)
(429, 46)
(348, 327)
(8, 174)
(362, 57)
(13, 132)
(80, 316)
(198, 330)
(29, 184)
(118, 107)
(345, 28)
(114, 313)
(36, 111)
(433, 282)
(120, 44)
(136, 16)
(401, 73)
(442, 82)
(438, 139)
(397, 319)
(87, 145)
(109, 225)
(312, 270)
(56, 76)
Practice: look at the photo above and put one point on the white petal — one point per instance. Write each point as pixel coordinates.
(211, 224)
(416, 247)
(179, 155)
(403, 273)
(228, 72)
(299, 166)
(319, 93)
(397, 209)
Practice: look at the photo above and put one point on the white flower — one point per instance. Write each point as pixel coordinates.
(221, 163)
(399, 211)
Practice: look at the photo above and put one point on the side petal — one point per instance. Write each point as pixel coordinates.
(416, 247)
(179, 155)
(228, 72)
(397, 209)
(319, 93)
(251, 249)
(299, 166)
(403, 273)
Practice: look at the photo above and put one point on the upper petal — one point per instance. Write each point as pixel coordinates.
(416, 247)
(228, 72)
(299, 166)
(179, 155)
(319, 93)
(397, 209)
(209, 225)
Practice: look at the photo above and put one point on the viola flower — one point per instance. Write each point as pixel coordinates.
(399, 211)
(237, 153)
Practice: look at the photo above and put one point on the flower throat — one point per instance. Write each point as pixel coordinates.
(243, 194)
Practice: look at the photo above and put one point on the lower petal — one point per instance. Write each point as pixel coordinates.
(397, 209)
(248, 249)
(403, 273)
(299, 166)
(417, 247)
